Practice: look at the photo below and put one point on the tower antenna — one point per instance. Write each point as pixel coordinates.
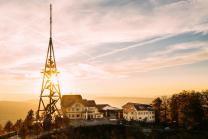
(50, 20)
(50, 91)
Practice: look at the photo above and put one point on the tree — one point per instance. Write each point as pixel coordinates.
(47, 122)
(157, 107)
(164, 109)
(194, 110)
(23, 132)
(37, 127)
(205, 103)
(29, 118)
(186, 109)
(174, 106)
(1, 130)
(58, 122)
(28, 122)
(18, 125)
(8, 126)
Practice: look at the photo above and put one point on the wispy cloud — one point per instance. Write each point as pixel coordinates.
(102, 39)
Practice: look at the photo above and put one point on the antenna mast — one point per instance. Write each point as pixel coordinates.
(50, 20)
(50, 91)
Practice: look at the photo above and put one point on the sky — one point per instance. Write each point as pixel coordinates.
(133, 48)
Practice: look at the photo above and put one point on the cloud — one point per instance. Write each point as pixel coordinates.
(83, 26)
(162, 59)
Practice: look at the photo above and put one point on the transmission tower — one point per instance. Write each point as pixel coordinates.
(50, 91)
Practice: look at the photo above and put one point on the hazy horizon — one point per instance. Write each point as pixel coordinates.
(20, 98)
(21, 107)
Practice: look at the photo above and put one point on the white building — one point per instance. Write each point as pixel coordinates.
(74, 107)
(138, 112)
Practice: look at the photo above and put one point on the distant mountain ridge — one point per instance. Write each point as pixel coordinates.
(120, 101)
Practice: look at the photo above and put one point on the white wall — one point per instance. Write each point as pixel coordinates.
(140, 116)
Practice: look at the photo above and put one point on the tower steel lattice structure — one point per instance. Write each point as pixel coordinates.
(50, 91)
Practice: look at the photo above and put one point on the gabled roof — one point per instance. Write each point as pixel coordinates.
(68, 100)
(89, 103)
(138, 106)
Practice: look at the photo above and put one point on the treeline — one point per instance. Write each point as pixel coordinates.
(187, 109)
(31, 127)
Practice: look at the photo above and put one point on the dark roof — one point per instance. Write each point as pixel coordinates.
(101, 106)
(143, 107)
(68, 100)
(138, 106)
(90, 103)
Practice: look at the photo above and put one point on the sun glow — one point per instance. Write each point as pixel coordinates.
(54, 79)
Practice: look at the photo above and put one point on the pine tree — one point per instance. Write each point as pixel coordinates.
(8, 126)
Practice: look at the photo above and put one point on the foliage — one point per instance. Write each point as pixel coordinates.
(157, 106)
(23, 133)
(8, 126)
(1, 130)
(18, 125)
(187, 109)
(47, 123)
(37, 128)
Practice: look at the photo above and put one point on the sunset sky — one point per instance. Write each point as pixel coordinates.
(134, 48)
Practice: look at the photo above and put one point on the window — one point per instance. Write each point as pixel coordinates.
(77, 109)
(77, 115)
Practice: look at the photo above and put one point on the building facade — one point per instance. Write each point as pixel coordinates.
(138, 112)
(74, 107)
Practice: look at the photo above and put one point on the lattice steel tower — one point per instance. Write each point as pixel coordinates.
(50, 91)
